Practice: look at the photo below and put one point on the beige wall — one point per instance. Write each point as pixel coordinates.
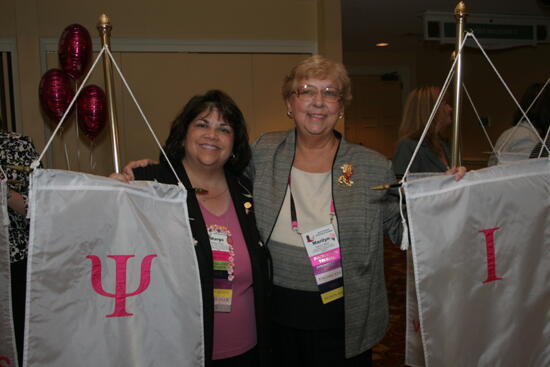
(7, 18)
(30, 21)
(236, 19)
(429, 64)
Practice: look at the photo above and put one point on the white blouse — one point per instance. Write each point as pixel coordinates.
(312, 193)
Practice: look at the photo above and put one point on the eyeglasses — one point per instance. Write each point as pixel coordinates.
(308, 92)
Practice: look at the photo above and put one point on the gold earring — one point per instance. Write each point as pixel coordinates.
(289, 114)
(341, 115)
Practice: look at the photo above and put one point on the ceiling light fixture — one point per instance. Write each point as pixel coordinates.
(382, 44)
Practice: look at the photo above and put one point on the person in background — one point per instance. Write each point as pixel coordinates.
(434, 153)
(518, 141)
(17, 152)
(208, 147)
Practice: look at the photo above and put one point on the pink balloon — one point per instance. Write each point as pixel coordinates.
(55, 93)
(92, 110)
(75, 50)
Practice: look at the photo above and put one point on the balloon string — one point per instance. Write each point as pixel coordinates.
(93, 163)
(66, 150)
(77, 134)
(36, 163)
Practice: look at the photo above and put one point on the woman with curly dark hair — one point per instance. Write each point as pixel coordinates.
(208, 147)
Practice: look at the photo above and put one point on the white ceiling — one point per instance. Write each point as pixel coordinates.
(399, 22)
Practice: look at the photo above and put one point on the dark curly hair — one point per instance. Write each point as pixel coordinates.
(228, 110)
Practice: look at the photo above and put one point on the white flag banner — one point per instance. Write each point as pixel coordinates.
(113, 278)
(481, 252)
(8, 355)
(414, 351)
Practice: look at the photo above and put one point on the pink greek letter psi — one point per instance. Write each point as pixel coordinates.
(120, 294)
(4, 359)
(491, 258)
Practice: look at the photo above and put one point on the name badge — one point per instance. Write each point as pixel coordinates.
(323, 250)
(223, 261)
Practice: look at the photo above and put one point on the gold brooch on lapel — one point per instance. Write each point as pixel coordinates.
(345, 178)
(247, 207)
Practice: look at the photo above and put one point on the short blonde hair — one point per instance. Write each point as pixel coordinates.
(416, 113)
(320, 67)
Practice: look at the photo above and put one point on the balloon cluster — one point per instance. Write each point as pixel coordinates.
(56, 88)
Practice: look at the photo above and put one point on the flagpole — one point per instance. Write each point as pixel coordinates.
(460, 16)
(104, 27)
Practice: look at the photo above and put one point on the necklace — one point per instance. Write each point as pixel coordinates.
(201, 194)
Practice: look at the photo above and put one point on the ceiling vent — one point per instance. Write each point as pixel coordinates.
(493, 31)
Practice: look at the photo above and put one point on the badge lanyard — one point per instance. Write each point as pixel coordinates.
(223, 259)
(323, 250)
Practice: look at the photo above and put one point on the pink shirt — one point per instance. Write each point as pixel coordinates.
(235, 331)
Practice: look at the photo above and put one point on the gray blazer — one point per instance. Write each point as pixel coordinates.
(364, 216)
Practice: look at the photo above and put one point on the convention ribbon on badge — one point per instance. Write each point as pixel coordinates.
(223, 260)
(323, 250)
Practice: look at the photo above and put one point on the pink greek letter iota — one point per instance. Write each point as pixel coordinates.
(120, 294)
(491, 258)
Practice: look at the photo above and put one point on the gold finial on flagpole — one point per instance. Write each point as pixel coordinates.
(104, 27)
(460, 9)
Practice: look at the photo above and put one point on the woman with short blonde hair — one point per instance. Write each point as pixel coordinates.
(319, 67)
(311, 189)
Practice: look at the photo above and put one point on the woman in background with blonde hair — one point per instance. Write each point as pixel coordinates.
(433, 155)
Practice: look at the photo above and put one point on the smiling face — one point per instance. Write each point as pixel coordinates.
(314, 114)
(209, 141)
